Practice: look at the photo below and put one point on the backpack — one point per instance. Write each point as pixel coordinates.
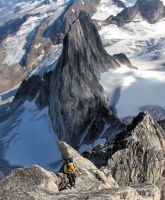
(69, 168)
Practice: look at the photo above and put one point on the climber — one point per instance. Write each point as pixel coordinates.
(69, 169)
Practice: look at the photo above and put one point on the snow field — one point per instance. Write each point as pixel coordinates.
(28, 138)
(128, 90)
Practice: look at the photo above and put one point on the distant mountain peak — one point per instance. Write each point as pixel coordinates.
(150, 10)
(75, 93)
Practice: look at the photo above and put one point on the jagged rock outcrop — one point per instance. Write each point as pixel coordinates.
(75, 93)
(162, 124)
(136, 155)
(37, 183)
(128, 193)
(29, 88)
(123, 60)
(29, 183)
(142, 143)
(84, 165)
(125, 16)
(150, 10)
(60, 27)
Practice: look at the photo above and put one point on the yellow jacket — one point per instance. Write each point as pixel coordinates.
(69, 168)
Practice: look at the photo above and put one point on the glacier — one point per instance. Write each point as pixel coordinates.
(27, 138)
(127, 90)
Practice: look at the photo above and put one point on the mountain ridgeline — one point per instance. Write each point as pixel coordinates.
(150, 10)
(47, 31)
(136, 156)
(59, 28)
(72, 91)
(131, 162)
(133, 168)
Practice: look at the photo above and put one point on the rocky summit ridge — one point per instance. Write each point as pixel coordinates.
(150, 10)
(133, 168)
(72, 90)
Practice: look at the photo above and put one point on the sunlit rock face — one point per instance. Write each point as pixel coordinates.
(136, 155)
(36, 183)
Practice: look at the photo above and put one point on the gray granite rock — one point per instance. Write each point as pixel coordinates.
(76, 97)
(136, 155)
(150, 10)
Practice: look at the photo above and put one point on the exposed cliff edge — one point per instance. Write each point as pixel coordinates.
(59, 28)
(76, 97)
(150, 10)
(136, 155)
(36, 183)
(76, 100)
(44, 32)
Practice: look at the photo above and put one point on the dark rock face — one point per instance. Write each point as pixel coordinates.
(123, 59)
(75, 93)
(28, 88)
(60, 27)
(162, 124)
(136, 155)
(44, 91)
(34, 182)
(39, 41)
(125, 16)
(119, 3)
(150, 10)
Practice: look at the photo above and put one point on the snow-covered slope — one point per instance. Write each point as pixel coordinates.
(27, 138)
(27, 30)
(142, 42)
(23, 45)
(105, 9)
(129, 2)
(14, 55)
(15, 8)
(128, 90)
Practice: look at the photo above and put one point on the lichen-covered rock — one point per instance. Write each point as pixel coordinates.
(103, 194)
(148, 191)
(35, 183)
(141, 151)
(136, 155)
(29, 183)
(84, 165)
